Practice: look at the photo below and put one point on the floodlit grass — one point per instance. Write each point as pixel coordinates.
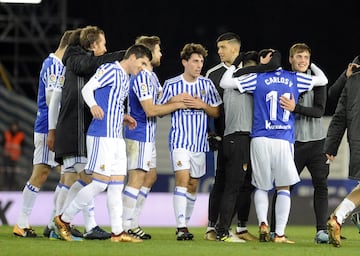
(163, 242)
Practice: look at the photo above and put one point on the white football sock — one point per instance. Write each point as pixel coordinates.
(343, 210)
(190, 203)
(130, 196)
(83, 199)
(261, 202)
(282, 211)
(115, 206)
(72, 192)
(179, 202)
(60, 202)
(29, 196)
(139, 206)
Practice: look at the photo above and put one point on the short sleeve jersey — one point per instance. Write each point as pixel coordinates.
(144, 86)
(189, 126)
(270, 119)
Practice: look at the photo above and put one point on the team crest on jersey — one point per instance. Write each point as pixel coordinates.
(102, 167)
(148, 163)
(99, 73)
(52, 78)
(159, 94)
(61, 81)
(202, 92)
(143, 88)
(179, 163)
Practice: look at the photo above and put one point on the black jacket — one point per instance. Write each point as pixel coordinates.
(347, 117)
(75, 117)
(336, 88)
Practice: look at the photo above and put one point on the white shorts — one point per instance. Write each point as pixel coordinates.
(106, 156)
(183, 159)
(140, 155)
(74, 164)
(42, 154)
(272, 163)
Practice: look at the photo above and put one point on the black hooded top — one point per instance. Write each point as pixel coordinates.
(75, 117)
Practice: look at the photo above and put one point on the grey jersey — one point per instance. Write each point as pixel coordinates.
(308, 128)
(238, 111)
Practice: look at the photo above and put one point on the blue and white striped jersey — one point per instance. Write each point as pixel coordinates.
(112, 90)
(61, 79)
(270, 119)
(189, 126)
(144, 86)
(52, 75)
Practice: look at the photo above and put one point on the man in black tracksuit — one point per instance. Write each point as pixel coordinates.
(228, 49)
(82, 58)
(346, 118)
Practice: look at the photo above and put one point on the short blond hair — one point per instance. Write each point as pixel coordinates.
(299, 47)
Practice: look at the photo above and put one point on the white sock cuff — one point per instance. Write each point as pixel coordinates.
(350, 204)
(133, 192)
(190, 196)
(283, 192)
(32, 187)
(180, 191)
(145, 190)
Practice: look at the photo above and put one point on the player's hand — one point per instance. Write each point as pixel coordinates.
(330, 157)
(194, 102)
(286, 103)
(50, 140)
(351, 68)
(97, 112)
(130, 122)
(180, 97)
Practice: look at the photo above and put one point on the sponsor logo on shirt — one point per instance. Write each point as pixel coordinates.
(52, 78)
(99, 73)
(61, 81)
(270, 126)
(143, 88)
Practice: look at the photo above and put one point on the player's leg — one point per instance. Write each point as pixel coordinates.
(339, 215)
(319, 171)
(150, 179)
(285, 175)
(43, 160)
(116, 186)
(30, 192)
(215, 195)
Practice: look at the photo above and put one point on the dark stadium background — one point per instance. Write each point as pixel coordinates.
(330, 28)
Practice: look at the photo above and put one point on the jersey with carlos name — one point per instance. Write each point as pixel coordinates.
(270, 119)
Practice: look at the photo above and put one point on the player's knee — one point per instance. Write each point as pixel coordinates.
(39, 175)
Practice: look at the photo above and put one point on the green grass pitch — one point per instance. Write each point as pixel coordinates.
(164, 243)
